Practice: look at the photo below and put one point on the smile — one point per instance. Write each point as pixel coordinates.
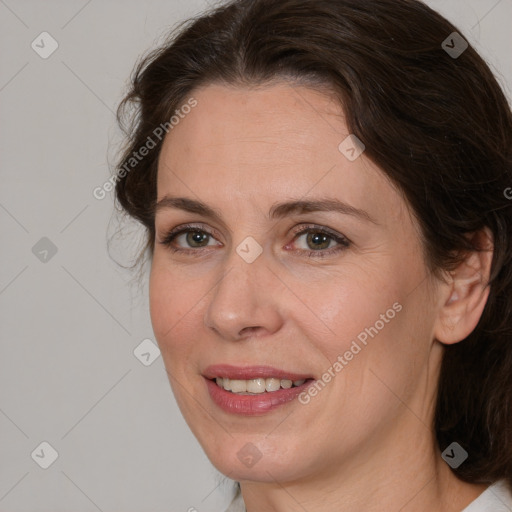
(253, 390)
(257, 386)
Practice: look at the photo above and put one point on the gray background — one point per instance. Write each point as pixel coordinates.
(70, 321)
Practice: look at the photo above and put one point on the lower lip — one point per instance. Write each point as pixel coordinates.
(251, 405)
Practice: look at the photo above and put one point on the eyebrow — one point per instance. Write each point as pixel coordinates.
(278, 210)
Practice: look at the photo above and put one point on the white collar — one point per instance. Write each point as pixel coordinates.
(496, 498)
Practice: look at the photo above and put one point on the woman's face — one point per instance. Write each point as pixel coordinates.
(301, 262)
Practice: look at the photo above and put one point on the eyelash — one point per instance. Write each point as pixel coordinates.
(343, 243)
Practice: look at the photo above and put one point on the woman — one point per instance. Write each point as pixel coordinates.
(323, 184)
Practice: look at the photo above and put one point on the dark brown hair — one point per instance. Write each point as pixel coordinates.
(438, 126)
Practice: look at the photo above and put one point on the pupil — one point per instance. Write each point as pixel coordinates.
(319, 239)
(196, 237)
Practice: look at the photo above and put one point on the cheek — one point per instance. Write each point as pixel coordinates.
(346, 304)
(171, 305)
(160, 303)
(383, 339)
(366, 318)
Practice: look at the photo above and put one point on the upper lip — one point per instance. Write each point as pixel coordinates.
(250, 372)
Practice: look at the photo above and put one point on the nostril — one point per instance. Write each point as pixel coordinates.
(246, 330)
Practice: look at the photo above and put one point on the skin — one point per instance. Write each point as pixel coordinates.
(365, 442)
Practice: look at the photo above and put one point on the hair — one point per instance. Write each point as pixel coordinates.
(439, 127)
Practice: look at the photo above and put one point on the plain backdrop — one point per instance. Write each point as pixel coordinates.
(73, 372)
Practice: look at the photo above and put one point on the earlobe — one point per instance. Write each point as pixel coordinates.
(465, 293)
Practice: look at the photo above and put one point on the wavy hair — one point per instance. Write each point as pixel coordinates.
(439, 127)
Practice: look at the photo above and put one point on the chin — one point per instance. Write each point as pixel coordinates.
(243, 458)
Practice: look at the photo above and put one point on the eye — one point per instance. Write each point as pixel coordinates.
(320, 242)
(188, 238)
(317, 242)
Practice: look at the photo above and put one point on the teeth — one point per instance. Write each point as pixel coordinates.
(238, 386)
(256, 386)
(272, 384)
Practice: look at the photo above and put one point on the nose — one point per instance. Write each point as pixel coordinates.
(245, 303)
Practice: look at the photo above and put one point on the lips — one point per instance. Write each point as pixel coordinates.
(248, 404)
(225, 371)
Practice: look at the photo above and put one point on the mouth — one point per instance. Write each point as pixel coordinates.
(253, 390)
(257, 386)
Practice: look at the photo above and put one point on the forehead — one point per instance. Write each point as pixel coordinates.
(275, 140)
(282, 121)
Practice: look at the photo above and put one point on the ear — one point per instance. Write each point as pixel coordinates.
(464, 295)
